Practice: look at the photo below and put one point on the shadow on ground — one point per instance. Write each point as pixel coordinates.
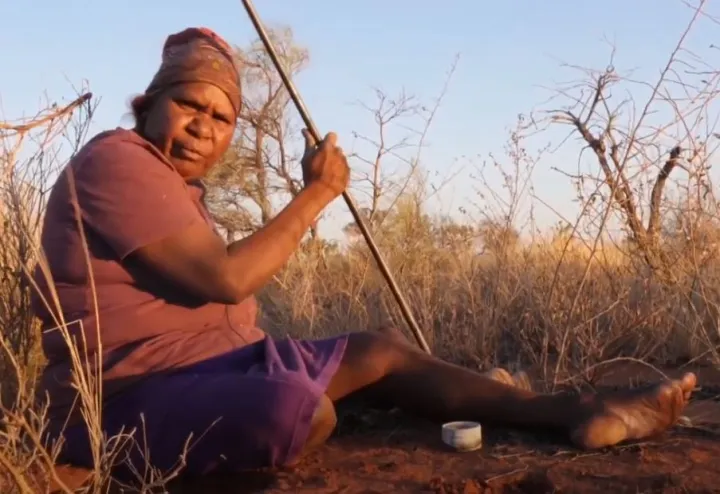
(380, 452)
(376, 451)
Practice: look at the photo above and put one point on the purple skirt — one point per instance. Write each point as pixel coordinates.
(245, 409)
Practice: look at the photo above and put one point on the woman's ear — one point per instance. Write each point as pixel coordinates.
(140, 106)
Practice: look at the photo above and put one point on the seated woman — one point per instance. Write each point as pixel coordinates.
(134, 259)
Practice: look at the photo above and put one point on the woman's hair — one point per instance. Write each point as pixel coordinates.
(139, 105)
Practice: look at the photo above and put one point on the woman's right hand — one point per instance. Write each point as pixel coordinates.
(325, 164)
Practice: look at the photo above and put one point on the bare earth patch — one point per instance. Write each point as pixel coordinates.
(379, 452)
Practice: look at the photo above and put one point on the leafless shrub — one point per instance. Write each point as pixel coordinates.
(558, 302)
(262, 167)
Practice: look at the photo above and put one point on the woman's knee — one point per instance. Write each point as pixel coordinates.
(381, 351)
(396, 334)
(323, 423)
(322, 426)
(370, 357)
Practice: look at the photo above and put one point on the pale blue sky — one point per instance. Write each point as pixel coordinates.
(508, 49)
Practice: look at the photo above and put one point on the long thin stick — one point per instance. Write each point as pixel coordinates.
(409, 319)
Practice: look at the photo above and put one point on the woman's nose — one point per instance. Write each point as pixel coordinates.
(200, 127)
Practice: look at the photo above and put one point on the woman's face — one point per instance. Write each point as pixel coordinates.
(192, 124)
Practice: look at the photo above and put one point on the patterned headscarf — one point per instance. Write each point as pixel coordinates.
(198, 55)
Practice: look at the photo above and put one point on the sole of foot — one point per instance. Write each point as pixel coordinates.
(634, 414)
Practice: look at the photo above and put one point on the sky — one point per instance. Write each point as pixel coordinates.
(510, 54)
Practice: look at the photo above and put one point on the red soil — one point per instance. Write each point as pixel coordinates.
(380, 452)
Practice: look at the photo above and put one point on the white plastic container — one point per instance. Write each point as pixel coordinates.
(462, 436)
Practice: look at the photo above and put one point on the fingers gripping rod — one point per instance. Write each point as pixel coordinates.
(405, 309)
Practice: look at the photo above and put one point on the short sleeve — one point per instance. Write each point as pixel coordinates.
(129, 196)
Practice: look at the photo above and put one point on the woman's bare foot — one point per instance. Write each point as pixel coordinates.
(635, 414)
(519, 380)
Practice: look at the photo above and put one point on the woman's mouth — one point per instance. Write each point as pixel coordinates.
(186, 153)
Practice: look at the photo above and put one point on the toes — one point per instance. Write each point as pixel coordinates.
(688, 382)
(686, 385)
(679, 404)
(666, 391)
(670, 392)
(672, 399)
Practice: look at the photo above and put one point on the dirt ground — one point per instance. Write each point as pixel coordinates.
(379, 452)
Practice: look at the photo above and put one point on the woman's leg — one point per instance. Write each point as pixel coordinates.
(389, 369)
(219, 422)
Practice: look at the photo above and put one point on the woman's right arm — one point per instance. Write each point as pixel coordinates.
(195, 258)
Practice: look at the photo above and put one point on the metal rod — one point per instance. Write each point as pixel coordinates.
(404, 308)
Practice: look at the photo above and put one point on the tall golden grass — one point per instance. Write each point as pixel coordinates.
(553, 305)
(558, 304)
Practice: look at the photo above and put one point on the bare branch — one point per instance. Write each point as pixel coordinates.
(50, 114)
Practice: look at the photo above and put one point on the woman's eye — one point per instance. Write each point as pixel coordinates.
(187, 104)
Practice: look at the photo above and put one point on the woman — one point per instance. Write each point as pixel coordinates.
(176, 315)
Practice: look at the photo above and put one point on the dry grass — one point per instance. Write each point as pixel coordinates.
(532, 306)
(478, 310)
(553, 304)
(559, 304)
(515, 309)
(28, 163)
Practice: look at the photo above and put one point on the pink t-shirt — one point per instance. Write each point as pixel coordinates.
(127, 195)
